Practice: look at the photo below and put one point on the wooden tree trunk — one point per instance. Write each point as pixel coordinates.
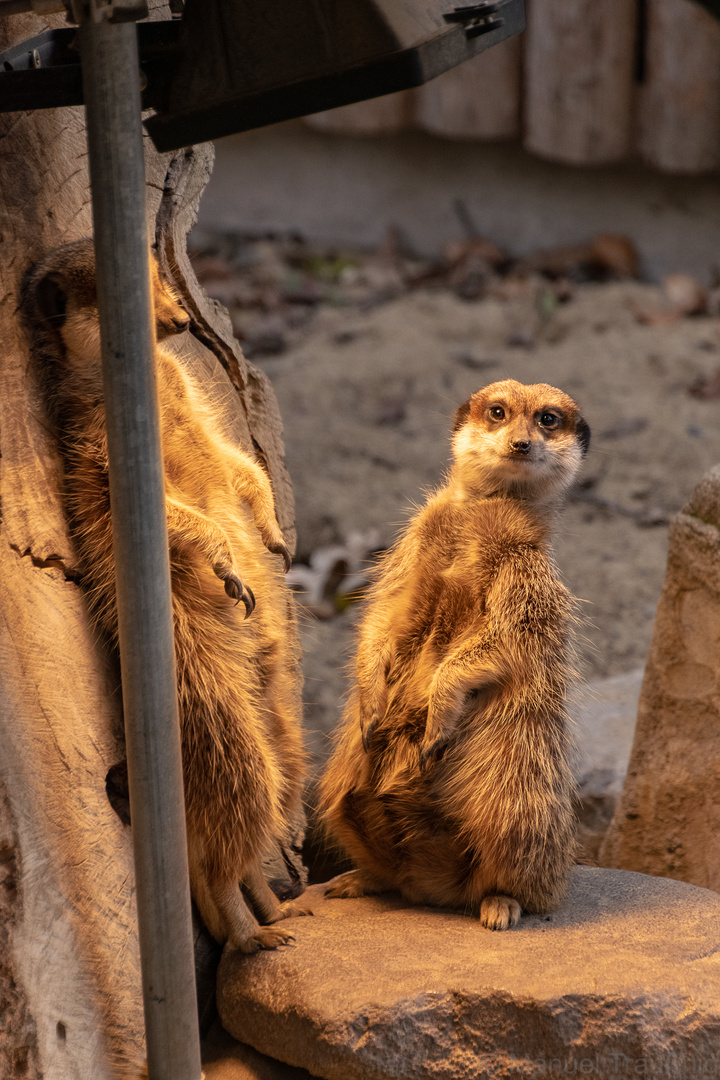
(680, 101)
(480, 99)
(69, 964)
(579, 79)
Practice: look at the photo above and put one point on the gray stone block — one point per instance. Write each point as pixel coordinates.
(605, 721)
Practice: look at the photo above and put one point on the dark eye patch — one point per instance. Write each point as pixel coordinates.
(461, 415)
(51, 299)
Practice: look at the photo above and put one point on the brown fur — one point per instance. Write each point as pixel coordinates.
(450, 779)
(238, 679)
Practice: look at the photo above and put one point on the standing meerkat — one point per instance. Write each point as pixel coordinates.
(238, 677)
(450, 779)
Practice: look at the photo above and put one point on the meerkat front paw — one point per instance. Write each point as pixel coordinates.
(237, 592)
(266, 937)
(499, 912)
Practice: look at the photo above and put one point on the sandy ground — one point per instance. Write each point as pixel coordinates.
(367, 386)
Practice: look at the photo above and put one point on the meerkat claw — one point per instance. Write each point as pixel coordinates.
(237, 592)
(424, 759)
(367, 731)
(431, 753)
(233, 587)
(248, 599)
(282, 549)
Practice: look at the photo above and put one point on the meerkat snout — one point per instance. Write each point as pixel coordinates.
(168, 325)
(521, 446)
(170, 317)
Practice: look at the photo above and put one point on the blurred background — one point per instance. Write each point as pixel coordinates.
(550, 212)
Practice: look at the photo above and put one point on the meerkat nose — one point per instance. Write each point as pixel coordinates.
(521, 446)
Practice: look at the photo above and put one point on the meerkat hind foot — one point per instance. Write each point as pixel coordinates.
(499, 912)
(351, 884)
(291, 909)
(265, 937)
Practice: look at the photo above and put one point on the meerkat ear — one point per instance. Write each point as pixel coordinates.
(461, 415)
(582, 430)
(51, 299)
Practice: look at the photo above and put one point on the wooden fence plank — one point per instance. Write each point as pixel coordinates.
(378, 116)
(680, 101)
(480, 99)
(579, 64)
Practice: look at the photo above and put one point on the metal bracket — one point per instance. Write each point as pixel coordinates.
(44, 71)
(80, 11)
(477, 19)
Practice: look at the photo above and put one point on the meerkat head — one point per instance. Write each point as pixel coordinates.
(63, 295)
(527, 441)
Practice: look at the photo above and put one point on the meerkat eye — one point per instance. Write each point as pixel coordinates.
(549, 420)
(496, 412)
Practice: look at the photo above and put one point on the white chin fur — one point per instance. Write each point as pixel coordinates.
(485, 465)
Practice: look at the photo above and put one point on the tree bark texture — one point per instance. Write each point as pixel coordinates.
(588, 83)
(477, 100)
(579, 79)
(679, 117)
(69, 963)
(480, 99)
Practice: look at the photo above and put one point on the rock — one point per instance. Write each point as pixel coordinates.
(624, 978)
(605, 719)
(225, 1059)
(668, 820)
(685, 294)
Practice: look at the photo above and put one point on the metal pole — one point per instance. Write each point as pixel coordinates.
(111, 85)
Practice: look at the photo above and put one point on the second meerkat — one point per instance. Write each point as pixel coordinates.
(450, 781)
(238, 677)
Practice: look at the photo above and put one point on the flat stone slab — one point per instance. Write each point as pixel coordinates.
(622, 980)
